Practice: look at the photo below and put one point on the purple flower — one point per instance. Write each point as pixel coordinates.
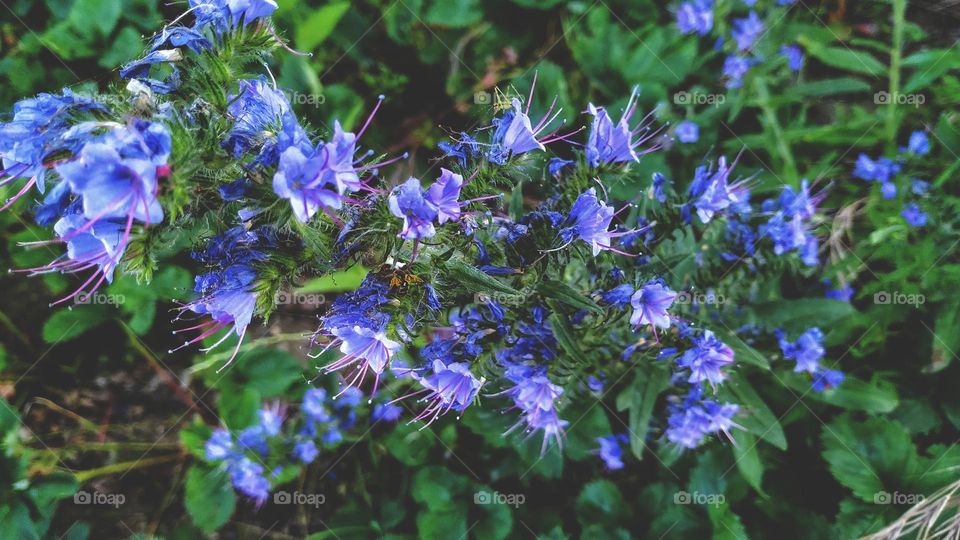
(558, 164)
(919, 187)
(308, 182)
(444, 195)
(515, 134)
(706, 359)
(384, 412)
(687, 132)
(99, 244)
(619, 296)
(222, 14)
(589, 221)
(450, 386)
(616, 143)
(746, 31)
(409, 202)
(650, 304)
(536, 398)
(314, 405)
(713, 191)
(694, 418)
(611, 452)
(794, 56)
(734, 69)
(914, 216)
(807, 350)
(248, 478)
(882, 170)
(695, 16)
(844, 293)
(367, 348)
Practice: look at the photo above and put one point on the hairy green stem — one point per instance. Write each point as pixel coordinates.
(83, 476)
(896, 52)
(770, 118)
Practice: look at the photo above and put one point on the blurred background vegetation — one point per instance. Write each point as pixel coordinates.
(104, 408)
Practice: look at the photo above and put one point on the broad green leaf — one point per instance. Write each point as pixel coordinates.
(66, 324)
(726, 524)
(345, 281)
(755, 416)
(639, 399)
(601, 502)
(843, 57)
(795, 316)
(312, 31)
(454, 13)
(238, 406)
(209, 497)
(475, 280)
(868, 456)
(878, 396)
(747, 458)
(101, 15)
(269, 371)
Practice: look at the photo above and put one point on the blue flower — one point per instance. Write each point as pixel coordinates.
(450, 387)
(610, 450)
(306, 451)
(695, 16)
(888, 190)
(99, 244)
(408, 202)
(248, 478)
(615, 143)
(827, 379)
(919, 187)
(589, 220)
(444, 194)
(219, 446)
(367, 347)
(844, 293)
(650, 304)
(806, 351)
(536, 397)
(222, 14)
(706, 359)
(919, 144)
(384, 412)
(914, 216)
(557, 164)
(180, 36)
(746, 31)
(734, 69)
(619, 296)
(687, 132)
(694, 418)
(712, 191)
(257, 111)
(794, 56)
(514, 133)
(882, 170)
(307, 181)
(233, 191)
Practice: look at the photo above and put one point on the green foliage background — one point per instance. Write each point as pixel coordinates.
(93, 403)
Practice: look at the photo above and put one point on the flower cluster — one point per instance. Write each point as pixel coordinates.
(807, 351)
(886, 171)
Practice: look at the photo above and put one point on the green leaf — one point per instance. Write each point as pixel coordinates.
(795, 316)
(878, 396)
(946, 336)
(124, 48)
(868, 456)
(315, 29)
(194, 436)
(559, 290)
(639, 399)
(269, 371)
(843, 57)
(726, 524)
(101, 15)
(600, 501)
(755, 416)
(409, 444)
(827, 87)
(475, 280)
(496, 521)
(454, 13)
(209, 497)
(442, 524)
(67, 324)
(439, 489)
(345, 281)
(747, 458)
(238, 406)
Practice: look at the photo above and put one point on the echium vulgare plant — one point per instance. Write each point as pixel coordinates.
(507, 275)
